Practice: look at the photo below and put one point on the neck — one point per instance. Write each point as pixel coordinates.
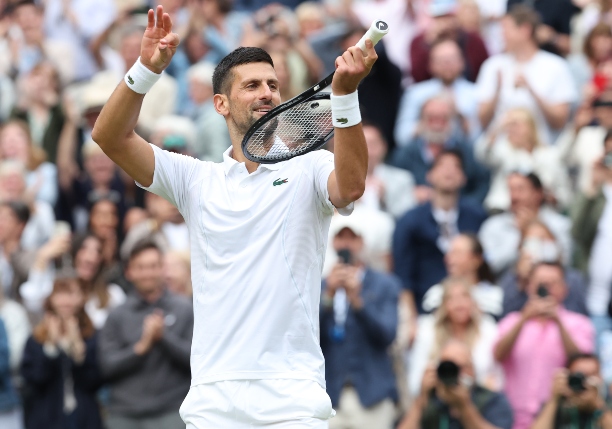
(458, 331)
(524, 52)
(237, 154)
(153, 295)
(448, 82)
(444, 200)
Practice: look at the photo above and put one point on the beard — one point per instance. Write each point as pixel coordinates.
(245, 120)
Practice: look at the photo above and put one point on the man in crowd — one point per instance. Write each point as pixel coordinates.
(578, 397)
(521, 77)
(500, 235)
(436, 132)
(446, 65)
(145, 347)
(358, 324)
(423, 235)
(14, 261)
(459, 403)
(538, 340)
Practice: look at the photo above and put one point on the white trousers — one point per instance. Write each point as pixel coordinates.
(246, 404)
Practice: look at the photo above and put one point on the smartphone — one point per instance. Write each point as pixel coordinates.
(542, 291)
(344, 255)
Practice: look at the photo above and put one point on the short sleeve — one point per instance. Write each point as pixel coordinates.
(172, 176)
(583, 334)
(486, 84)
(506, 324)
(564, 88)
(322, 167)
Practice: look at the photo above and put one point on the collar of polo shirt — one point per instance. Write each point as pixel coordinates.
(229, 162)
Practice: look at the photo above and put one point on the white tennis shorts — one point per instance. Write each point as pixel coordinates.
(246, 404)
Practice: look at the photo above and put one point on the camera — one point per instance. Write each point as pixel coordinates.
(576, 382)
(448, 373)
(542, 290)
(345, 256)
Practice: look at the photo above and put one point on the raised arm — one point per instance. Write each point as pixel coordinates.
(114, 129)
(347, 182)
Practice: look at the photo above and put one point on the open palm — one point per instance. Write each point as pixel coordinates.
(159, 43)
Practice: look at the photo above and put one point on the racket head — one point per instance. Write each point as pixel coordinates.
(294, 128)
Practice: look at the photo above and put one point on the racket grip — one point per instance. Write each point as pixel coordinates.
(376, 32)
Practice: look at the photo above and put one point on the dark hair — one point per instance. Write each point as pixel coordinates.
(601, 29)
(524, 15)
(98, 285)
(579, 356)
(484, 272)
(143, 246)
(19, 209)
(223, 72)
(448, 152)
(533, 178)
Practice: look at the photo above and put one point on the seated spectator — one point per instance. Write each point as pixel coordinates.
(177, 273)
(577, 398)
(520, 77)
(13, 187)
(15, 262)
(358, 324)
(59, 364)
(446, 65)
(517, 147)
(435, 134)
(444, 24)
(535, 342)
(147, 342)
(500, 235)
(465, 260)
(456, 400)
(459, 318)
(388, 188)
(16, 144)
(10, 411)
(424, 234)
(539, 245)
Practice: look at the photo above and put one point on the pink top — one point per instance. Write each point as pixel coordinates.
(537, 353)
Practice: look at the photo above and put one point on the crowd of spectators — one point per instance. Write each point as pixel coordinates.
(471, 287)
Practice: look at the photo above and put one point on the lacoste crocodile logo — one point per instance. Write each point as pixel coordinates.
(342, 120)
(279, 182)
(130, 80)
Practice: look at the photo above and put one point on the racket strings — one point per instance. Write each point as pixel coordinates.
(293, 131)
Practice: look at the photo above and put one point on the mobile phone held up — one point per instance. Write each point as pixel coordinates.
(345, 256)
(542, 290)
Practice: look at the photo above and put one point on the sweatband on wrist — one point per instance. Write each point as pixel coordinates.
(345, 110)
(140, 79)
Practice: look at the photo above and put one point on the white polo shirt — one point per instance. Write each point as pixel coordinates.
(257, 248)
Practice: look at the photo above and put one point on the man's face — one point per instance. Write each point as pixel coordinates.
(514, 35)
(523, 194)
(29, 19)
(347, 239)
(436, 121)
(446, 62)
(130, 48)
(550, 277)
(254, 92)
(10, 226)
(461, 355)
(586, 400)
(100, 168)
(377, 147)
(145, 271)
(12, 185)
(447, 175)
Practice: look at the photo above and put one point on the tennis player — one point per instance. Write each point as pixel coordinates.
(258, 235)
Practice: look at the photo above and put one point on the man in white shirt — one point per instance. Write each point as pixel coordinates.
(258, 235)
(526, 76)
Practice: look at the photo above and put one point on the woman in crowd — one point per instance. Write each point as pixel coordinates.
(457, 317)
(517, 147)
(177, 272)
(597, 48)
(59, 364)
(104, 223)
(465, 259)
(10, 413)
(538, 244)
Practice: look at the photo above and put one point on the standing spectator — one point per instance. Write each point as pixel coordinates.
(520, 77)
(459, 403)
(59, 364)
(10, 412)
(15, 262)
(388, 188)
(578, 393)
(147, 342)
(516, 146)
(500, 235)
(538, 340)
(458, 318)
(539, 245)
(423, 235)
(358, 324)
(446, 65)
(465, 260)
(437, 132)
(445, 24)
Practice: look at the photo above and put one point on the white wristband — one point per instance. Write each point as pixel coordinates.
(140, 79)
(345, 110)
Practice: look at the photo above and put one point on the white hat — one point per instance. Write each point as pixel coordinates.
(442, 7)
(355, 222)
(99, 90)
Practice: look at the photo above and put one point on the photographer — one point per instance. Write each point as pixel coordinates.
(578, 397)
(358, 324)
(450, 399)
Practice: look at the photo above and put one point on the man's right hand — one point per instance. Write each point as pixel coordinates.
(335, 280)
(559, 387)
(535, 307)
(159, 43)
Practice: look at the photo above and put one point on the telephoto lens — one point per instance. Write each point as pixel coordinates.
(577, 382)
(448, 373)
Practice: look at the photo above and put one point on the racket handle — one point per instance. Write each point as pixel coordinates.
(376, 32)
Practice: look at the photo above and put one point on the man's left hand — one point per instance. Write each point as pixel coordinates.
(352, 67)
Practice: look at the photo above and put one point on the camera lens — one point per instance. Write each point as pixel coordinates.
(577, 382)
(448, 373)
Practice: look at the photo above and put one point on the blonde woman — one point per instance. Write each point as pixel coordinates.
(515, 146)
(458, 317)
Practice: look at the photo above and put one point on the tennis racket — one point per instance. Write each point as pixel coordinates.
(302, 124)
